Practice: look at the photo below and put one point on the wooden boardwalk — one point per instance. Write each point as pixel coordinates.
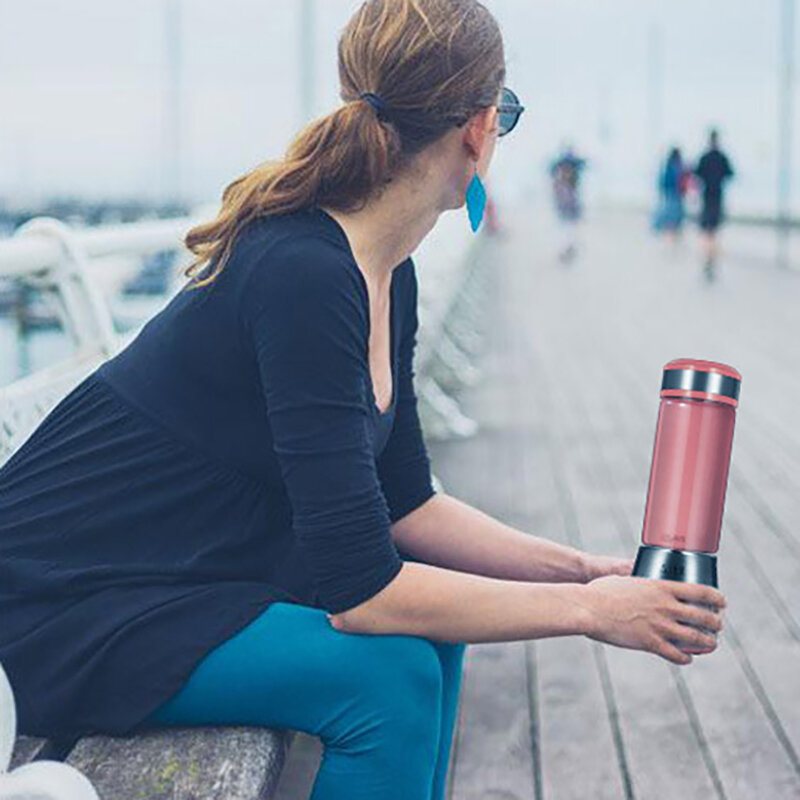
(567, 406)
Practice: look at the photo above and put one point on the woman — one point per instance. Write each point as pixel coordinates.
(209, 528)
(672, 185)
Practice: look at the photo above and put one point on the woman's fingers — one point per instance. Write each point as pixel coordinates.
(689, 638)
(698, 593)
(668, 650)
(669, 617)
(694, 624)
(694, 615)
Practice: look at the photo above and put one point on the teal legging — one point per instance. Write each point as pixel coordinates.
(383, 705)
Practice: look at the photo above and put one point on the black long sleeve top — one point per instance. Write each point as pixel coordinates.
(231, 455)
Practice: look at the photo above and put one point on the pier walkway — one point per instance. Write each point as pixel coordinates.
(568, 407)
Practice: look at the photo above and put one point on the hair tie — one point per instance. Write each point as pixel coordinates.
(377, 103)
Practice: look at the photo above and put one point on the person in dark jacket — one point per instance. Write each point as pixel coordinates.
(713, 170)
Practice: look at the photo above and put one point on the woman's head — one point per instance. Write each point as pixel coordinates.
(435, 68)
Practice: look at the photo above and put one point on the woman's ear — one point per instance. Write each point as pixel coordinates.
(477, 130)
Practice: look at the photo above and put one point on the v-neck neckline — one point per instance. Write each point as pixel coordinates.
(381, 415)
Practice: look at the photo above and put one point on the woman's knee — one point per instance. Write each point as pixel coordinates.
(395, 694)
(400, 669)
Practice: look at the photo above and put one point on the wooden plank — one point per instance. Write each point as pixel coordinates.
(492, 753)
(575, 709)
(494, 746)
(191, 763)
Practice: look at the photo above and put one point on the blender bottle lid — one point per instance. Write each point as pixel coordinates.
(702, 380)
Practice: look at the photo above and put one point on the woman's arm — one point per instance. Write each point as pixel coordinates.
(441, 530)
(446, 532)
(424, 600)
(637, 613)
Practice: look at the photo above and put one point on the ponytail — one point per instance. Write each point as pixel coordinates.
(341, 160)
(441, 59)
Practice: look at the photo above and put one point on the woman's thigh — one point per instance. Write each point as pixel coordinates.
(290, 668)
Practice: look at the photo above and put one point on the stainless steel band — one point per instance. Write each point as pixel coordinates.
(697, 381)
(662, 563)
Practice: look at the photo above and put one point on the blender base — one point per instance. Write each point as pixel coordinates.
(662, 563)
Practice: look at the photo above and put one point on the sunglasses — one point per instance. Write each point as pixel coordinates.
(509, 111)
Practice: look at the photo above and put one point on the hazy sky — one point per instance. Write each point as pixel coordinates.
(84, 86)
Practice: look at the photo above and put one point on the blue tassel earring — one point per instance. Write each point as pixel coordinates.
(476, 201)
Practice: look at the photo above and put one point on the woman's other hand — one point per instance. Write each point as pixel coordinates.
(595, 566)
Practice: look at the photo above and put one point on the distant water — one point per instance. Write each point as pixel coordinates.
(22, 355)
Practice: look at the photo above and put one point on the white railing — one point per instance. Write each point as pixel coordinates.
(452, 283)
(63, 262)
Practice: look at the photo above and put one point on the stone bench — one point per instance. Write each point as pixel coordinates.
(172, 763)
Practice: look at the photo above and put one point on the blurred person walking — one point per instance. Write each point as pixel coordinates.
(565, 173)
(714, 170)
(673, 183)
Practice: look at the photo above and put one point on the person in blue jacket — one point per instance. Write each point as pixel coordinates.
(672, 184)
(233, 521)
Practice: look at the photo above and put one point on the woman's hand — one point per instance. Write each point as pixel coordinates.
(600, 566)
(655, 615)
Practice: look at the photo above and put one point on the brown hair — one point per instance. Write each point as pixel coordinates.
(433, 62)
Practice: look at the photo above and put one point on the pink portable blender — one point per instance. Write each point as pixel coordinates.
(689, 472)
